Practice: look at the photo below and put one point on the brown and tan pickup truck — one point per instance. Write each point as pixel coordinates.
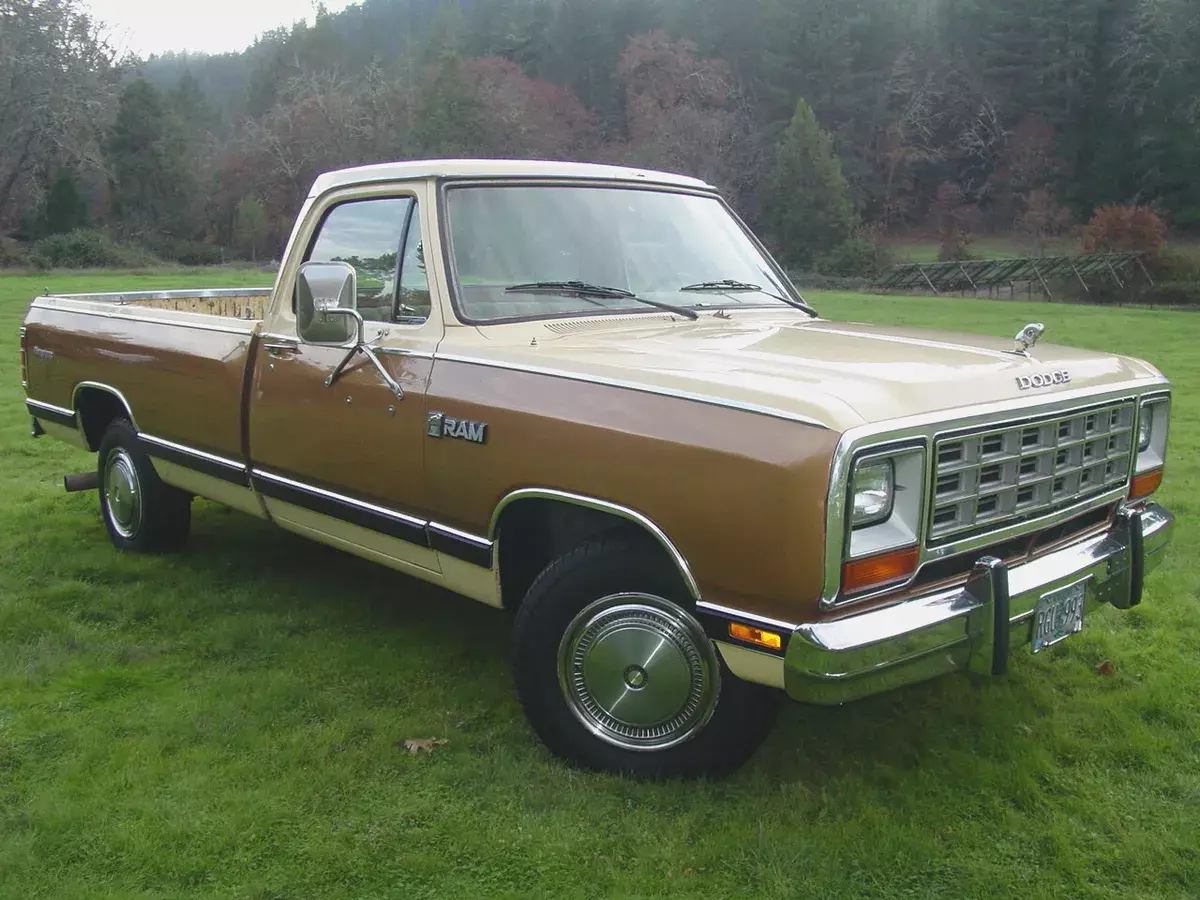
(588, 395)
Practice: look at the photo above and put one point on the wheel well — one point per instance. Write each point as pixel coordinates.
(533, 532)
(97, 408)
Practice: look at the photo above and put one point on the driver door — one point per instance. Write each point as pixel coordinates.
(343, 462)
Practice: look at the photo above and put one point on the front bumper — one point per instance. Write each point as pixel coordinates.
(970, 628)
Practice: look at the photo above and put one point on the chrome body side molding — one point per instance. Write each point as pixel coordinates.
(461, 545)
(469, 548)
(59, 415)
(202, 461)
(108, 388)
(339, 506)
(568, 375)
(737, 615)
(605, 506)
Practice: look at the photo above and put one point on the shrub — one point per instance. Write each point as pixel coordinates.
(1116, 229)
(857, 256)
(13, 254)
(86, 249)
(1175, 265)
(189, 253)
(1171, 293)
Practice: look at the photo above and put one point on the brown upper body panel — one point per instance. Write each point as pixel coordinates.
(742, 495)
(182, 382)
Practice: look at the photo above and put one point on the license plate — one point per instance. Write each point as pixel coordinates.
(1058, 615)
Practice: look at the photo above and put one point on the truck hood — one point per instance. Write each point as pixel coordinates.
(840, 375)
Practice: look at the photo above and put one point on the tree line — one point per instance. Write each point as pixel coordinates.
(825, 121)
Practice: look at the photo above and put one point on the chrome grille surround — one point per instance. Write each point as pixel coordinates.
(999, 474)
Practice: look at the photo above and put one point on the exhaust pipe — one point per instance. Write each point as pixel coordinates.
(84, 481)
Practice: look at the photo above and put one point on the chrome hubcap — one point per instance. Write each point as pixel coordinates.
(122, 493)
(638, 672)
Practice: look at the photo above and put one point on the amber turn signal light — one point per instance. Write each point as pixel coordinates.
(875, 571)
(1145, 484)
(768, 639)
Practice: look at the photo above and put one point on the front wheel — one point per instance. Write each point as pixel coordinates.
(615, 674)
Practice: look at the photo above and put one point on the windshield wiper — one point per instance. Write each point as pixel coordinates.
(586, 291)
(730, 286)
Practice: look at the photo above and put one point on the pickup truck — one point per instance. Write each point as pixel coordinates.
(587, 395)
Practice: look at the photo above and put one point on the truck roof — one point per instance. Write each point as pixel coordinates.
(497, 168)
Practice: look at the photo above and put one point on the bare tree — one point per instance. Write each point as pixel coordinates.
(57, 88)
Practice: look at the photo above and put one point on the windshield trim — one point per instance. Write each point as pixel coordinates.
(446, 185)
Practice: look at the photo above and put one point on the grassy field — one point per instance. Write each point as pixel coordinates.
(229, 722)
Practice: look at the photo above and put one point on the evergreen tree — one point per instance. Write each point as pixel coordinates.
(151, 181)
(65, 208)
(195, 114)
(449, 118)
(251, 227)
(807, 206)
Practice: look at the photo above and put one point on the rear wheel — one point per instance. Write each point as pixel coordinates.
(141, 513)
(615, 673)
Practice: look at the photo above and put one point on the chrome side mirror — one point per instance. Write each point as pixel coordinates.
(326, 300)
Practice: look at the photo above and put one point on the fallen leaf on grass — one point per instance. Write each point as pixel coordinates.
(416, 745)
(1105, 668)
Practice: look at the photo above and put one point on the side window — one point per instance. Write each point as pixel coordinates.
(366, 234)
(413, 301)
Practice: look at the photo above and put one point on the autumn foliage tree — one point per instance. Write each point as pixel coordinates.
(1115, 229)
(527, 117)
(685, 114)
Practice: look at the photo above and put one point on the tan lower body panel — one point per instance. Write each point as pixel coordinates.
(470, 580)
(215, 489)
(750, 665)
(72, 436)
(420, 562)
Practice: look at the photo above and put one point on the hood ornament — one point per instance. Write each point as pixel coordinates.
(1027, 337)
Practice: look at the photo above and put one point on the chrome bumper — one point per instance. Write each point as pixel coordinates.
(970, 628)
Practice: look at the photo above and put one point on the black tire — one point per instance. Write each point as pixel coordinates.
(140, 512)
(578, 610)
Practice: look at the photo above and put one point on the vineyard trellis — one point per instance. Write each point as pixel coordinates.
(985, 274)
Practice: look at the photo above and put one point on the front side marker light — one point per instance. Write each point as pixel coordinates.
(768, 639)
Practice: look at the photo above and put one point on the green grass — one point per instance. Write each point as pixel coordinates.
(224, 723)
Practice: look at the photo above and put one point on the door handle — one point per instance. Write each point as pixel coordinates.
(281, 349)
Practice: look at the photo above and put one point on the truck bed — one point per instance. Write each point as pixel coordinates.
(178, 357)
(233, 303)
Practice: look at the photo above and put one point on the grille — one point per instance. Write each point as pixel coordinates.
(993, 477)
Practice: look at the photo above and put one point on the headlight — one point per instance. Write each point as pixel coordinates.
(884, 500)
(1154, 419)
(1145, 428)
(873, 492)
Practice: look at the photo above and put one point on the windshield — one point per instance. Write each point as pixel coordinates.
(523, 252)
